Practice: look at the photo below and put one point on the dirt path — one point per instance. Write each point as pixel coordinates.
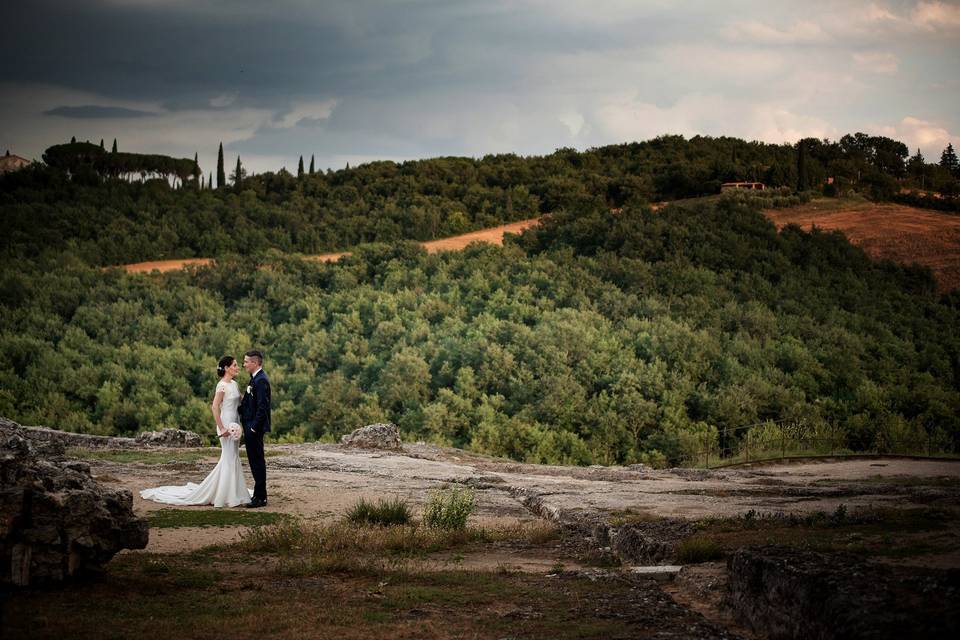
(492, 236)
(887, 231)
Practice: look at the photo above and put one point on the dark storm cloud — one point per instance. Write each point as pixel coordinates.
(155, 50)
(178, 52)
(96, 111)
(414, 78)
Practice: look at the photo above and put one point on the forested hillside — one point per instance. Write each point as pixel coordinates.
(83, 202)
(603, 337)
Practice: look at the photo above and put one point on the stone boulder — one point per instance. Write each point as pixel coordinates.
(56, 521)
(783, 592)
(374, 436)
(169, 438)
(652, 542)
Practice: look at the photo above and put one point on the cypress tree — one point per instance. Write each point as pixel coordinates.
(311, 164)
(221, 175)
(114, 150)
(101, 144)
(238, 175)
(210, 181)
(300, 168)
(73, 139)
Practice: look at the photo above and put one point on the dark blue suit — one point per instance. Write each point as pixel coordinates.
(255, 416)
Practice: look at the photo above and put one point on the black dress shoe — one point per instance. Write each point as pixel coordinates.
(254, 504)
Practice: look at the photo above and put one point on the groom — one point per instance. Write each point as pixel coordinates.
(255, 416)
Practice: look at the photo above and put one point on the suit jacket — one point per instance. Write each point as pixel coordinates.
(255, 405)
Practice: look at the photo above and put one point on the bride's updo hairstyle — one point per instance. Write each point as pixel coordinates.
(225, 362)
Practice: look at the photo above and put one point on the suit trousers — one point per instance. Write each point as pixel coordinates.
(258, 466)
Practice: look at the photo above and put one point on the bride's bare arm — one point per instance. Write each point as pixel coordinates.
(215, 409)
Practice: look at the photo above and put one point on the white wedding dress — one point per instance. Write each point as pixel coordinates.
(225, 486)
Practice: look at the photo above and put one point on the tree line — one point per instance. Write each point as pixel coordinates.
(76, 201)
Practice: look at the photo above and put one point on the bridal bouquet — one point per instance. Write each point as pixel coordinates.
(234, 430)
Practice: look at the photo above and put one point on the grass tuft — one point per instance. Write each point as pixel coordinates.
(385, 512)
(697, 549)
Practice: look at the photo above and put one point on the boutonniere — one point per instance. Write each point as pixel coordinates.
(249, 389)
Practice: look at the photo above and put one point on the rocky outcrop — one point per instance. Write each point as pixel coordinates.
(169, 438)
(374, 436)
(786, 593)
(55, 520)
(42, 437)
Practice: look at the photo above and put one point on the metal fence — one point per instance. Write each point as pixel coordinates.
(778, 439)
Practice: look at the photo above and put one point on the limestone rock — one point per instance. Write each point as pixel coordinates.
(52, 442)
(55, 520)
(652, 542)
(788, 593)
(170, 438)
(374, 436)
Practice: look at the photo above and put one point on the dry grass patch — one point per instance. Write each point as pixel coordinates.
(887, 231)
(346, 539)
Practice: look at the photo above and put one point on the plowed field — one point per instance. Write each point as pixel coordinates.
(886, 230)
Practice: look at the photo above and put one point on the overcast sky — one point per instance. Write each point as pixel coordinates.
(358, 80)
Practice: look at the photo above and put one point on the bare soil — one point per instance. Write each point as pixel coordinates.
(887, 231)
(493, 235)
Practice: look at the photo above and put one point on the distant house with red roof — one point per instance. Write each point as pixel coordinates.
(12, 163)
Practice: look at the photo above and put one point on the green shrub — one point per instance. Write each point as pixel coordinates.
(698, 549)
(384, 512)
(449, 508)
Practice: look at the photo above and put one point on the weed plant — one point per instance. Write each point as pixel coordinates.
(448, 509)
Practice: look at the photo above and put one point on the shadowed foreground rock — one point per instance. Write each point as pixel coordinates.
(786, 593)
(55, 520)
(374, 436)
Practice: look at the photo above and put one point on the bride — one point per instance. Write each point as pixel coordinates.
(225, 486)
